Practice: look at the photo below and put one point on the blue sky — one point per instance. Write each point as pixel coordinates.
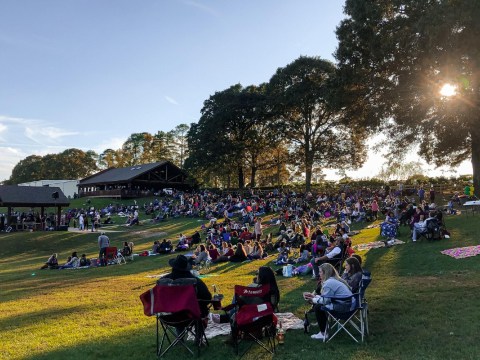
(88, 73)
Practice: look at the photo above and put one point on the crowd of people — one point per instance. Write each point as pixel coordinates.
(234, 231)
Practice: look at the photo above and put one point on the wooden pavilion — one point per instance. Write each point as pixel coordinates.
(134, 181)
(14, 196)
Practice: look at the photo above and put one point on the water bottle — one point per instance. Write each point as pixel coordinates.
(306, 324)
(280, 334)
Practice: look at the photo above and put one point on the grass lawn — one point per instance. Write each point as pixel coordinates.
(423, 305)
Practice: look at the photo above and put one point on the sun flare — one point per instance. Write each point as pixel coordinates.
(448, 90)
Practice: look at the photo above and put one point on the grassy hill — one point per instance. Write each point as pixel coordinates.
(423, 305)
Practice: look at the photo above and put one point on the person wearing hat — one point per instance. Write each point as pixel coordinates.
(181, 270)
(103, 244)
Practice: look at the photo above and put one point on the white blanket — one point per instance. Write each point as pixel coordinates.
(289, 321)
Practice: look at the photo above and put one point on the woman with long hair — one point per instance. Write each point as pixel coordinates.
(257, 252)
(332, 285)
(239, 255)
(265, 275)
(353, 273)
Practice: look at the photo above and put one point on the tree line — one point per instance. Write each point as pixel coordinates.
(392, 59)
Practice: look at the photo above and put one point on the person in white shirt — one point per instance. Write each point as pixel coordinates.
(332, 252)
(421, 226)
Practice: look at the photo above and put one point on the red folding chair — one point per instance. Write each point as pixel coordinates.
(111, 255)
(175, 305)
(254, 317)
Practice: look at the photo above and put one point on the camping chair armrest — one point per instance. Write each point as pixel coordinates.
(339, 298)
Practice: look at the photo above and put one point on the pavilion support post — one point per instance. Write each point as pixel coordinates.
(42, 217)
(9, 215)
(59, 214)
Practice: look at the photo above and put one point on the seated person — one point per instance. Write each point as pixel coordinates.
(182, 243)
(165, 247)
(304, 254)
(332, 253)
(127, 250)
(52, 262)
(181, 270)
(421, 226)
(213, 252)
(257, 252)
(388, 228)
(156, 247)
(352, 274)
(284, 252)
(196, 239)
(201, 256)
(248, 247)
(84, 261)
(108, 220)
(239, 254)
(264, 276)
(331, 286)
(73, 262)
(227, 252)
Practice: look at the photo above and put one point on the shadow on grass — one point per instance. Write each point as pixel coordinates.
(29, 317)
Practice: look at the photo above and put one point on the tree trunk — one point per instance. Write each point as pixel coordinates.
(308, 170)
(241, 180)
(476, 160)
(252, 176)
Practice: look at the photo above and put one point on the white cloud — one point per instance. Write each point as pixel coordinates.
(41, 134)
(171, 100)
(113, 143)
(202, 7)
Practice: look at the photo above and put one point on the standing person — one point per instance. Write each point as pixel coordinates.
(103, 243)
(432, 195)
(375, 209)
(93, 218)
(421, 194)
(258, 228)
(81, 222)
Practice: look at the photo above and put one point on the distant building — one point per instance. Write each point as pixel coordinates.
(68, 187)
(134, 181)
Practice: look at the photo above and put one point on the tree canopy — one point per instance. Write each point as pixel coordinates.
(394, 58)
(301, 96)
(69, 164)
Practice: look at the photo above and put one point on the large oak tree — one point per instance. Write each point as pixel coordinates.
(302, 97)
(394, 58)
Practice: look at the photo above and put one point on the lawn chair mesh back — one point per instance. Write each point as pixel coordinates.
(354, 321)
(254, 317)
(175, 305)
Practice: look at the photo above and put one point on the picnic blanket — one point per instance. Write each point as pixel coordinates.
(462, 252)
(289, 321)
(374, 245)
